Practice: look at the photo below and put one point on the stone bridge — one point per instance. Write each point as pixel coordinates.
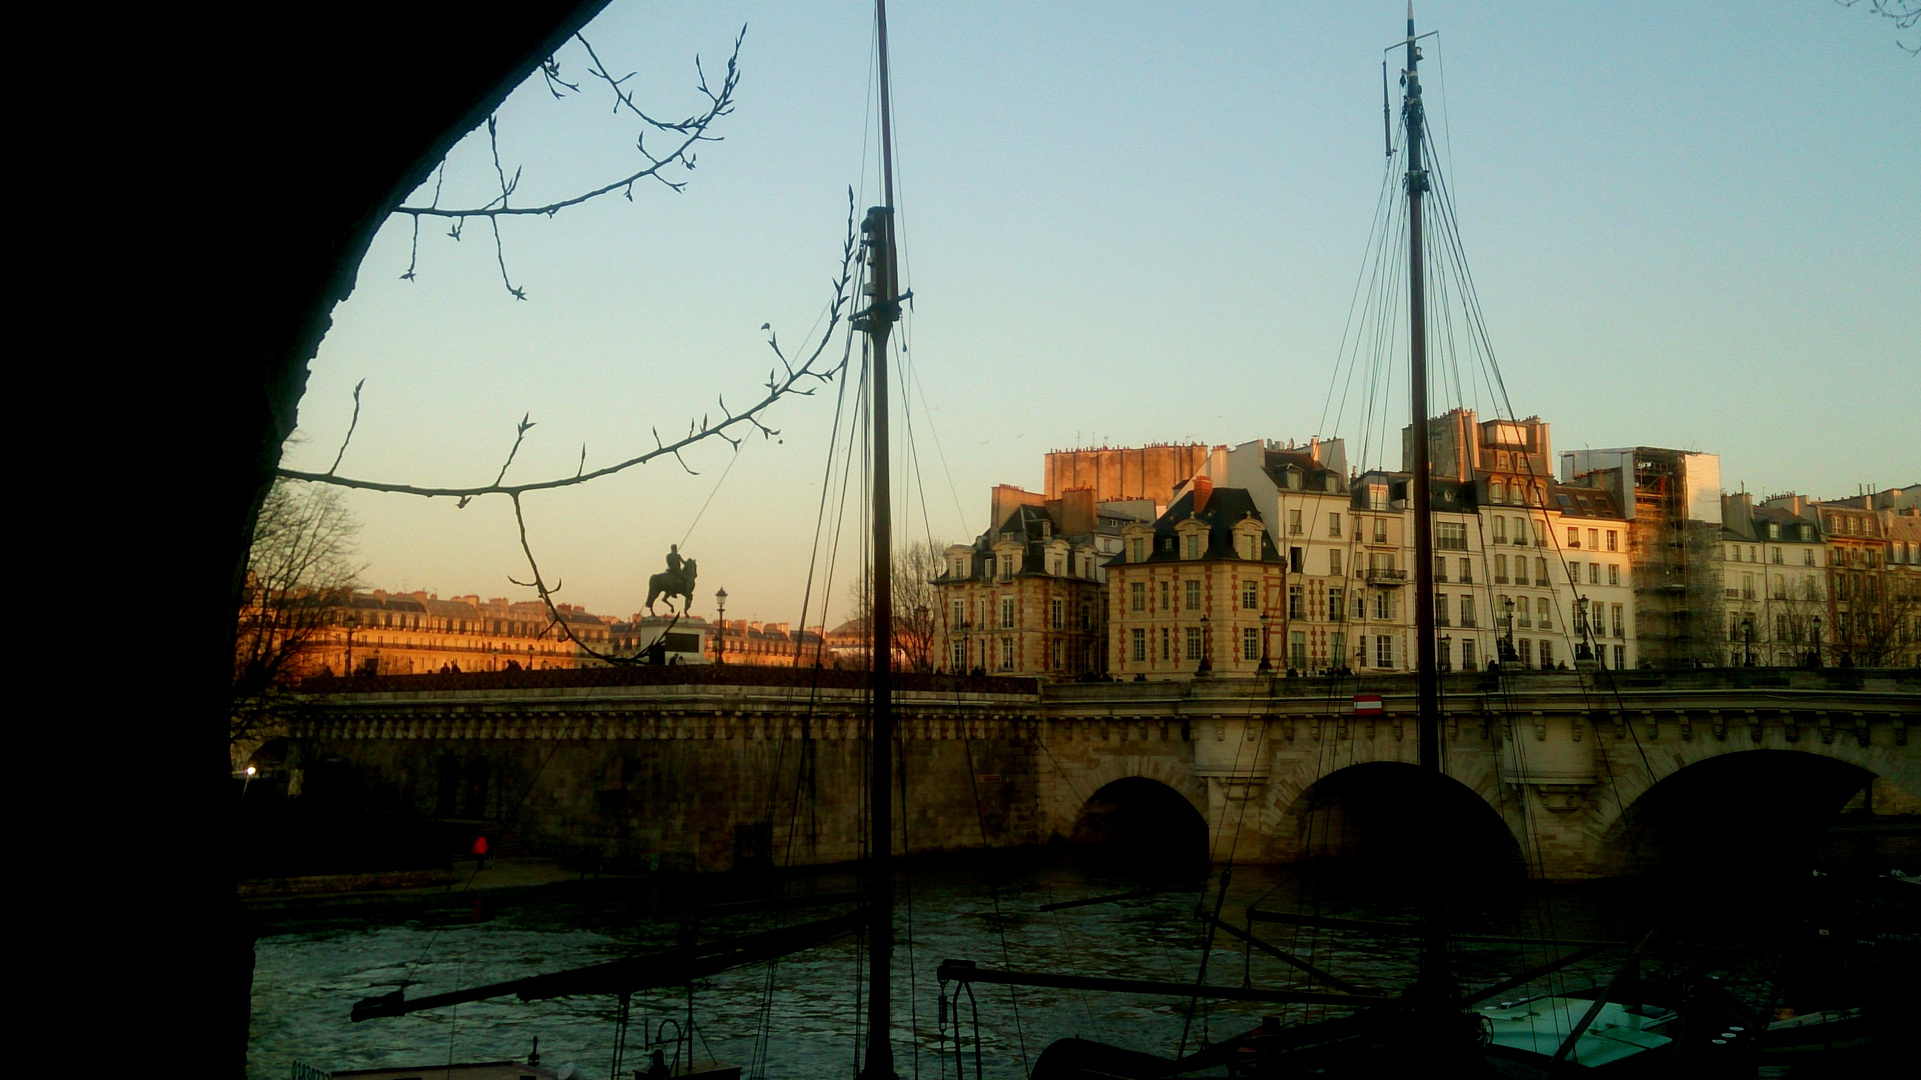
(1577, 774)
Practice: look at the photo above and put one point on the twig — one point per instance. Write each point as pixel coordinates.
(351, 425)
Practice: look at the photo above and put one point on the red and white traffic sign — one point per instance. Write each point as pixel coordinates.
(1367, 704)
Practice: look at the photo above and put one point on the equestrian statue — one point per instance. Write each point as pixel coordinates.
(676, 580)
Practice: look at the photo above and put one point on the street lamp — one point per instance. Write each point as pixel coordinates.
(720, 645)
(1265, 665)
(1447, 653)
(1817, 641)
(1583, 650)
(352, 622)
(1207, 651)
(1507, 624)
(1747, 640)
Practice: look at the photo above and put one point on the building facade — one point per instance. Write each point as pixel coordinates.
(1198, 591)
(1026, 597)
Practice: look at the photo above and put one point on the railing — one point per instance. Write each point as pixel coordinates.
(1377, 576)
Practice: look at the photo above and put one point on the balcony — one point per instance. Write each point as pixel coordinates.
(1386, 578)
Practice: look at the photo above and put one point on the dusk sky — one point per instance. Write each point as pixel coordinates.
(1691, 225)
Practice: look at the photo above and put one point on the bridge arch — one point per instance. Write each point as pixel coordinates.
(1364, 814)
(1733, 811)
(1139, 827)
(1076, 783)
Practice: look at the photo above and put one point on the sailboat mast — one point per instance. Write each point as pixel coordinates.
(1428, 687)
(882, 310)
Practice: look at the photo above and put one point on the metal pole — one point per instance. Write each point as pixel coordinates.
(881, 314)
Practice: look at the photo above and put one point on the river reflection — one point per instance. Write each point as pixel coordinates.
(799, 1018)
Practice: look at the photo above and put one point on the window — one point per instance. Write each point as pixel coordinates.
(1193, 643)
(1193, 589)
(1054, 566)
(1500, 529)
(1165, 606)
(1377, 496)
(960, 656)
(1542, 613)
(1360, 606)
(1467, 654)
(1444, 655)
(1573, 538)
(1137, 595)
(1807, 557)
(1500, 569)
(1467, 571)
(1614, 540)
(1384, 605)
(1054, 655)
(1295, 563)
(1296, 602)
(1137, 550)
(1057, 614)
(1334, 524)
(1167, 652)
(1193, 546)
(1614, 574)
(1293, 520)
(1574, 572)
(1336, 605)
(1250, 643)
(1440, 568)
(960, 614)
(1620, 656)
(1594, 539)
(1383, 651)
(1594, 574)
(1334, 562)
(1297, 650)
(1007, 613)
(1337, 649)
(1547, 654)
(1522, 612)
(1540, 571)
(1087, 616)
(1521, 532)
(1140, 646)
(1450, 535)
(1440, 610)
(1526, 649)
(1467, 610)
(1250, 595)
(1496, 492)
(1007, 654)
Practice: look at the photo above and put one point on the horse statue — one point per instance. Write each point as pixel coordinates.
(670, 584)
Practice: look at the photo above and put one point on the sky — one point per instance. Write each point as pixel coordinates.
(1690, 225)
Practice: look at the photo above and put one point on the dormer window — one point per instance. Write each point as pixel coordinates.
(1193, 546)
(1377, 496)
(1293, 480)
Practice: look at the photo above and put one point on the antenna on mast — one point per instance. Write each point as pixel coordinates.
(1387, 126)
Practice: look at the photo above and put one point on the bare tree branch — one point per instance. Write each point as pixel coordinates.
(793, 380)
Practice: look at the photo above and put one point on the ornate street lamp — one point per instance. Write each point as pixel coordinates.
(720, 644)
(1447, 653)
(352, 623)
(1207, 651)
(1583, 650)
(1265, 665)
(1507, 624)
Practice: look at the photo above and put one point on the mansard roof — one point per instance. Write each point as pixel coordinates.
(1223, 509)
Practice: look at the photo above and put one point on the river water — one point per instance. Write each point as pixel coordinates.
(799, 1018)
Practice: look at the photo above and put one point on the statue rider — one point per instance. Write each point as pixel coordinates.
(674, 562)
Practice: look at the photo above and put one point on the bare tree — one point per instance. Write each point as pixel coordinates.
(300, 573)
(916, 605)
(1879, 625)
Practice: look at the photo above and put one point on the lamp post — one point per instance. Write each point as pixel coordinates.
(1817, 641)
(1207, 650)
(1747, 641)
(1265, 667)
(1583, 650)
(352, 622)
(1447, 653)
(720, 643)
(1507, 628)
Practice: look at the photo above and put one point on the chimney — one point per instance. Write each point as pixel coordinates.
(1203, 488)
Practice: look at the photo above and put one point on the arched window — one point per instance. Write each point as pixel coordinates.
(1496, 491)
